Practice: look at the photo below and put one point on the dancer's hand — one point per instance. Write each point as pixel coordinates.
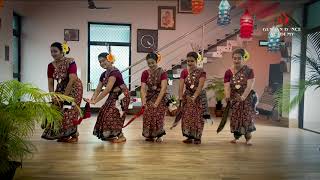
(86, 100)
(193, 99)
(144, 104)
(238, 98)
(55, 101)
(155, 105)
(90, 101)
(190, 99)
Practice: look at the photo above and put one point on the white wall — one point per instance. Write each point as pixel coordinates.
(294, 79)
(6, 39)
(312, 95)
(311, 112)
(295, 70)
(43, 23)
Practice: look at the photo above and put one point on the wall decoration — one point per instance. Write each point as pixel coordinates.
(274, 39)
(71, 34)
(197, 6)
(167, 17)
(185, 6)
(224, 13)
(147, 40)
(246, 25)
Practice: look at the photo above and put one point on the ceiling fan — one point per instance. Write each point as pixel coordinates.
(91, 5)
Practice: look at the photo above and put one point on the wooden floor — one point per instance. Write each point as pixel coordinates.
(277, 153)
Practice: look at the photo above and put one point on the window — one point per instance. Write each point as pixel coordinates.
(101, 37)
(16, 47)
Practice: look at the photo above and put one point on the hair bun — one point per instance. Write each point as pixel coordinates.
(246, 55)
(68, 50)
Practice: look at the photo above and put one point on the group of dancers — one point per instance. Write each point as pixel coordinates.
(238, 82)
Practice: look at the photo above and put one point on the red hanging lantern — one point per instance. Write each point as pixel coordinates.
(246, 25)
(197, 6)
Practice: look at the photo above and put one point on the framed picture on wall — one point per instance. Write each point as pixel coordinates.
(147, 40)
(185, 6)
(71, 34)
(167, 17)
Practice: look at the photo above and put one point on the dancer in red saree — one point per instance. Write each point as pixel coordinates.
(113, 113)
(153, 95)
(64, 71)
(238, 83)
(192, 80)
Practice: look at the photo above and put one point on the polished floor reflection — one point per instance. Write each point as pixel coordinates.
(277, 153)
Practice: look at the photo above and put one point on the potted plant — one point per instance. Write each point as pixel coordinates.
(216, 84)
(172, 104)
(22, 106)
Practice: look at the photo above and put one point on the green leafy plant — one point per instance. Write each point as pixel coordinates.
(22, 107)
(216, 85)
(283, 100)
(173, 99)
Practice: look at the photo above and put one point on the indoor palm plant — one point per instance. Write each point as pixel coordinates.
(217, 86)
(22, 106)
(283, 99)
(312, 79)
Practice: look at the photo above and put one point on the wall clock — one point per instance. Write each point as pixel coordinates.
(147, 40)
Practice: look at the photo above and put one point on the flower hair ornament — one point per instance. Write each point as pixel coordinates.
(65, 47)
(159, 57)
(199, 59)
(246, 56)
(110, 58)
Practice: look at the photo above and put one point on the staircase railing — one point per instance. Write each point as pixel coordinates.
(234, 12)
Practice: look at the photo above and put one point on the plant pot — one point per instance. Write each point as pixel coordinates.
(219, 105)
(219, 109)
(172, 113)
(218, 113)
(11, 171)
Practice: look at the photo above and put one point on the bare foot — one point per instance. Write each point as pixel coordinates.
(248, 143)
(233, 141)
(73, 140)
(159, 139)
(120, 139)
(197, 141)
(187, 141)
(63, 139)
(150, 139)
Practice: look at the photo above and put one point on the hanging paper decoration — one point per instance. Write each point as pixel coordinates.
(197, 6)
(246, 25)
(224, 13)
(274, 39)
